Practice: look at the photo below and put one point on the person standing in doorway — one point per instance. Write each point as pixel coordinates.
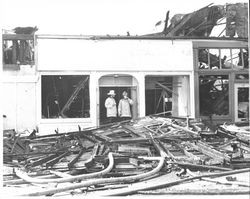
(110, 105)
(124, 107)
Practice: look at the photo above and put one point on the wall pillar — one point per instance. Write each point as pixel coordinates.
(94, 98)
(141, 93)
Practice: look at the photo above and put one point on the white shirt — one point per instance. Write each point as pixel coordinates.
(110, 105)
(124, 107)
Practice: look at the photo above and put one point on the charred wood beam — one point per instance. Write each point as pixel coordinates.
(18, 37)
(90, 161)
(71, 99)
(229, 134)
(209, 151)
(188, 154)
(43, 160)
(192, 133)
(169, 154)
(166, 23)
(173, 31)
(56, 159)
(166, 88)
(74, 160)
(163, 138)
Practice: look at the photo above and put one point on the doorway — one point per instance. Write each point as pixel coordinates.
(118, 83)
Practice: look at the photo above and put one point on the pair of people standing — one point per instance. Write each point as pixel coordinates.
(124, 111)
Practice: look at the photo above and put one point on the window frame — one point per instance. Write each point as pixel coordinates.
(60, 120)
(213, 44)
(230, 93)
(19, 37)
(220, 54)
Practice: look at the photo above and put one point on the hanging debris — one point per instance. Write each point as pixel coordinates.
(200, 23)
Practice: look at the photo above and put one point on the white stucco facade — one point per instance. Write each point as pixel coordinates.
(137, 58)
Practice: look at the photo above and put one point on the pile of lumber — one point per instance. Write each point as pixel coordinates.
(149, 154)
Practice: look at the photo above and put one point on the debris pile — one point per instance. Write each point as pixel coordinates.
(200, 23)
(148, 155)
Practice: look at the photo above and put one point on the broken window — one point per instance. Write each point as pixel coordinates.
(18, 52)
(243, 102)
(167, 94)
(214, 95)
(222, 58)
(65, 96)
(242, 77)
(159, 91)
(226, 59)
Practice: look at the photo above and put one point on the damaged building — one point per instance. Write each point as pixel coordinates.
(60, 82)
(189, 131)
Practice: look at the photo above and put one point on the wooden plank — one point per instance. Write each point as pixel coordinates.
(74, 160)
(55, 160)
(209, 151)
(80, 86)
(187, 153)
(42, 160)
(18, 37)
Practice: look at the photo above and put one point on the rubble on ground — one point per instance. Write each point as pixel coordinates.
(150, 155)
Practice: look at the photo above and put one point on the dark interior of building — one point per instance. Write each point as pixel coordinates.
(65, 96)
(155, 95)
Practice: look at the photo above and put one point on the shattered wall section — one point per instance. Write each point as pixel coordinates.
(237, 20)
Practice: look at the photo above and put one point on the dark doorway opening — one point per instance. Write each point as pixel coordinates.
(103, 96)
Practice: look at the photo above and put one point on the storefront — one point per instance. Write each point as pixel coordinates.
(68, 83)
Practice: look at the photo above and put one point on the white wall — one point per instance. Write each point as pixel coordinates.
(184, 96)
(114, 55)
(19, 105)
(22, 89)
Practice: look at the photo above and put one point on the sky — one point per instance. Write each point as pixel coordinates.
(96, 17)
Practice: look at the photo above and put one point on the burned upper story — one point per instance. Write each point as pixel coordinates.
(200, 23)
(18, 48)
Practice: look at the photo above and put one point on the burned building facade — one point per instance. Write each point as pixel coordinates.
(68, 81)
(62, 81)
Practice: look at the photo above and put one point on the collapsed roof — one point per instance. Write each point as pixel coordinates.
(201, 22)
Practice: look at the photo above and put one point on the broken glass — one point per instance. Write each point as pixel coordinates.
(203, 59)
(214, 95)
(226, 58)
(222, 58)
(19, 52)
(243, 59)
(243, 102)
(214, 57)
(242, 76)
